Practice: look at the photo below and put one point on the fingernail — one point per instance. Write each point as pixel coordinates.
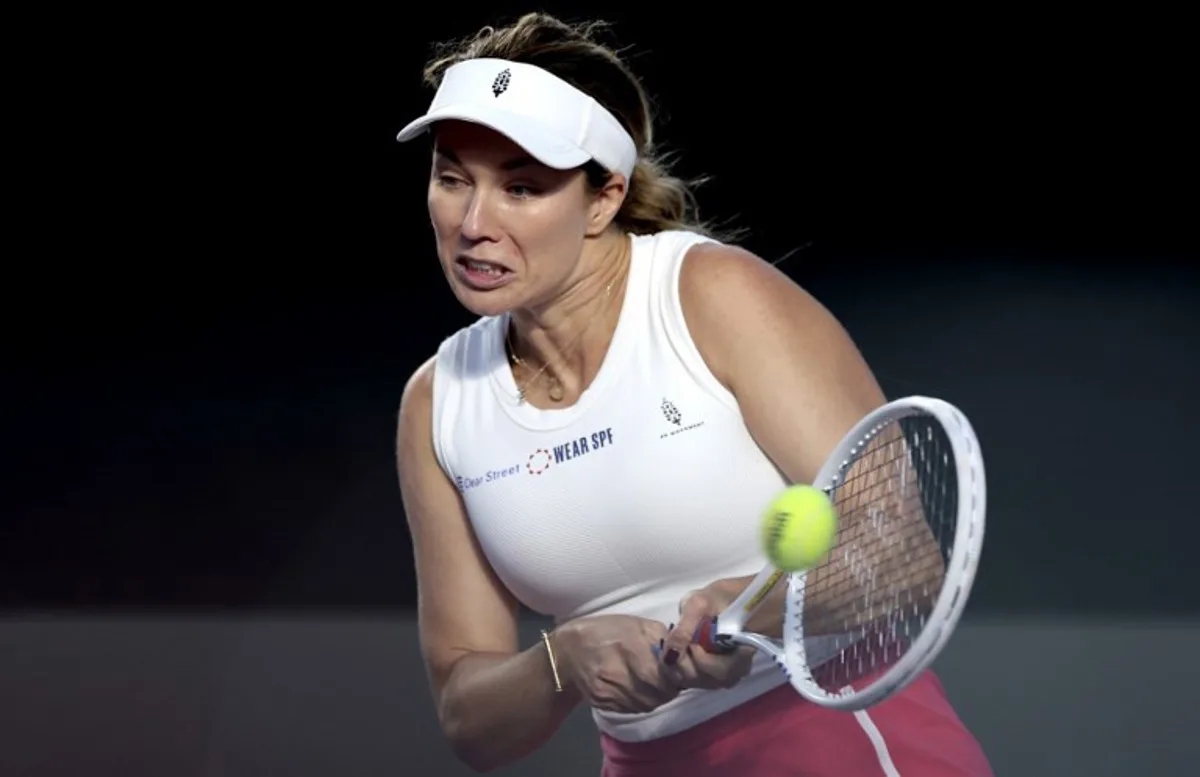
(671, 657)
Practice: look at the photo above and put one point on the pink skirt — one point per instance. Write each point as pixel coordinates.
(779, 734)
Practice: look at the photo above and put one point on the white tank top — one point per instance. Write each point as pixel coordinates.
(648, 487)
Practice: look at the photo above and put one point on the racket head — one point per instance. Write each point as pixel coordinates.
(866, 621)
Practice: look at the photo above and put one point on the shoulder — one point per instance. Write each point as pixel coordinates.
(416, 401)
(749, 319)
(434, 386)
(466, 351)
(452, 360)
(799, 380)
(710, 267)
(737, 304)
(419, 385)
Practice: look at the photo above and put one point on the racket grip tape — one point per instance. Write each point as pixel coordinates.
(706, 637)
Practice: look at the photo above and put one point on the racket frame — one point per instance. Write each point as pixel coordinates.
(725, 632)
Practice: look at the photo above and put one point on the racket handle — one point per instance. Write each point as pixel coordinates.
(706, 637)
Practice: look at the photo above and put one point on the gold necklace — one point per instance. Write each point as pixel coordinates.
(555, 391)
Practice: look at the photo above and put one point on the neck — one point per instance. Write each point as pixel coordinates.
(570, 334)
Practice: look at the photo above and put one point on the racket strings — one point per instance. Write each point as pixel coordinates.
(897, 503)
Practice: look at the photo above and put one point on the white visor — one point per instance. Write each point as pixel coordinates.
(556, 123)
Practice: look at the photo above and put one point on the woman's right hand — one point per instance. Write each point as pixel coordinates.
(609, 660)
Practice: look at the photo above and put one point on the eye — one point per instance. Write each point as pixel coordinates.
(447, 181)
(522, 191)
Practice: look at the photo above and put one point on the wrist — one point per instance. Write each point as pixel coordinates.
(558, 664)
(552, 662)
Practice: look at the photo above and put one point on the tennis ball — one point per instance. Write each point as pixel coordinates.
(799, 528)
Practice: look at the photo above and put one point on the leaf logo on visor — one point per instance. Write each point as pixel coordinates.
(500, 85)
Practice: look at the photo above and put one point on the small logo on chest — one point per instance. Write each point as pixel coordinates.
(672, 414)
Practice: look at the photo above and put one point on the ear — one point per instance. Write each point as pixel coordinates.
(606, 203)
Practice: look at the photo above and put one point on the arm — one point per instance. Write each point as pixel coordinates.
(495, 704)
(799, 380)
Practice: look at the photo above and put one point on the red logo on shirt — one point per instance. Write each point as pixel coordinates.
(539, 461)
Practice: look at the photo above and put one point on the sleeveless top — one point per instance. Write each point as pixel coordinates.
(648, 487)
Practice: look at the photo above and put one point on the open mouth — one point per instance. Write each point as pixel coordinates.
(482, 274)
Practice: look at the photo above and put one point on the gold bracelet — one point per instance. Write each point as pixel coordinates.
(558, 688)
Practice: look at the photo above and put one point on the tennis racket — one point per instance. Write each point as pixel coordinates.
(908, 486)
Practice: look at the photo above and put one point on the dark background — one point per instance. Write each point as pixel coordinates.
(238, 278)
(221, 274)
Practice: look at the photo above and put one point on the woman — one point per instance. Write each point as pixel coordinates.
(631, 389)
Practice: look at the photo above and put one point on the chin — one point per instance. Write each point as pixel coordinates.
(483, 303)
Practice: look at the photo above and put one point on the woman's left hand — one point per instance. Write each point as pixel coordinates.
(694, 667)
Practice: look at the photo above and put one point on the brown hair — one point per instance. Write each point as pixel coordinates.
(655, 200)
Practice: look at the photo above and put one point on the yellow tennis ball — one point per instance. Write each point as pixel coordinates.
(799, 528)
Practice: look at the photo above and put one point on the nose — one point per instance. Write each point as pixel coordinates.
(479, 223)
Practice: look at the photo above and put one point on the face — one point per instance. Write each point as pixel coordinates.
(510, 231)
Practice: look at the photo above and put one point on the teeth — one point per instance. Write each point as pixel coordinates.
(484, 267)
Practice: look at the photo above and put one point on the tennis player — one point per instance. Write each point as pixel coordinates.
(599, 443)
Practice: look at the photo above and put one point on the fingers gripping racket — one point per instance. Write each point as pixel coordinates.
(908, 486)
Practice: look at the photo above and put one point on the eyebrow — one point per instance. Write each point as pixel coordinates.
(515, 163)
